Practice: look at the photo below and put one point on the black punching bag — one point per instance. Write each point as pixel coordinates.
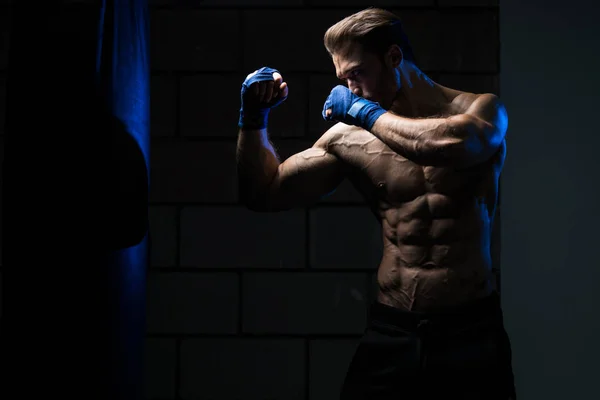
(75, 194)
(123, 78)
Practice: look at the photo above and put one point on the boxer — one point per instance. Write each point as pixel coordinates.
(427, 159)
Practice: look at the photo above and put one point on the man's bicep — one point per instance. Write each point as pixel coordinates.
(306, 177)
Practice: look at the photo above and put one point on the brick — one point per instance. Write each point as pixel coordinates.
(2, 103)
(210, 104)
(334, 245)
(468, 41)
(329, 361)
(422, 28)
(188, 303)
(249, 369)
(234, 3)
(199, 40)
(293, 44)
(203, 97)
(468, 3)
(453, 40)
(304, 302)
(229, 237)
(163, 97)
(193, 172)
(374, 3)
(160, 365)
(309, 54)
(471, 83)
(163, 236)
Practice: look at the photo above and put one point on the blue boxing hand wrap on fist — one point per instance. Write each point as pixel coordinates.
(351, 109)
(253, 113)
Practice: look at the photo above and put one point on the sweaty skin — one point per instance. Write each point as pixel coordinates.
(436, 222)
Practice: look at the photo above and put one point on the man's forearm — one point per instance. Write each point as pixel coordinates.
(431, 141)
(257, 164)
(459, 141)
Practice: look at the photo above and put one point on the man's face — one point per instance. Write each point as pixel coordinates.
(365, 74)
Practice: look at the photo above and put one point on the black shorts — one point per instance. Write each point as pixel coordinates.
(463, 353)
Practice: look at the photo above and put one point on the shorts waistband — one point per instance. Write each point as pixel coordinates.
(452, 317)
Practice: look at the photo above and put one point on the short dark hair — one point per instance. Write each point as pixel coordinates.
(373, 28)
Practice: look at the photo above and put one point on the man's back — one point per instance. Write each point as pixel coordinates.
(436, 221)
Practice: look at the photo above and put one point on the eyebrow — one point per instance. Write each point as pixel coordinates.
(349, 69)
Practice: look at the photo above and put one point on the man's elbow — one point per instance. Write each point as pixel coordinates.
(479, 141)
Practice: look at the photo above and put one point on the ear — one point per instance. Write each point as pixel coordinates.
(394, 56)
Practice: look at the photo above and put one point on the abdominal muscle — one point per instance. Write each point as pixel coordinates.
(436, 223)
(430, 264)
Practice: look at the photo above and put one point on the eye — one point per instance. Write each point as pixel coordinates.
(353, 75)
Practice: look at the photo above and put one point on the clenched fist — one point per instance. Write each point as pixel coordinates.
(344, 106)
(262, 90)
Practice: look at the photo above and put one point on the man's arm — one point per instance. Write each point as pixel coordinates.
(460, 141)
(266, 185)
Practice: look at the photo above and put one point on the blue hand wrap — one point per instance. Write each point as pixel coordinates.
(351, 109)
(254, 114)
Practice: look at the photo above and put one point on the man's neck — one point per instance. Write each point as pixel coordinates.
(418, 96)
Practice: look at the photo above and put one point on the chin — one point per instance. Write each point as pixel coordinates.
(374, 97)
(370, 98)
(378, 100)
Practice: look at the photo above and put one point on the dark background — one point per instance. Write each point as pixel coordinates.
(270, 306)
(550, 196)
(267, 306)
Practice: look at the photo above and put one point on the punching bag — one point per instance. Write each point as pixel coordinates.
(75, 194)
(123, 76)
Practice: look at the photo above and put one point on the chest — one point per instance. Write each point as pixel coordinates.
(379, 172)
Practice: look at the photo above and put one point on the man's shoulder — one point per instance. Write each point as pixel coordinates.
(336, 133)
(463, 101)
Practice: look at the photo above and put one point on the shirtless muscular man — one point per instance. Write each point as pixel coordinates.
(427, 159)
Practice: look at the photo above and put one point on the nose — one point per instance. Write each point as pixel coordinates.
(354, 89)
